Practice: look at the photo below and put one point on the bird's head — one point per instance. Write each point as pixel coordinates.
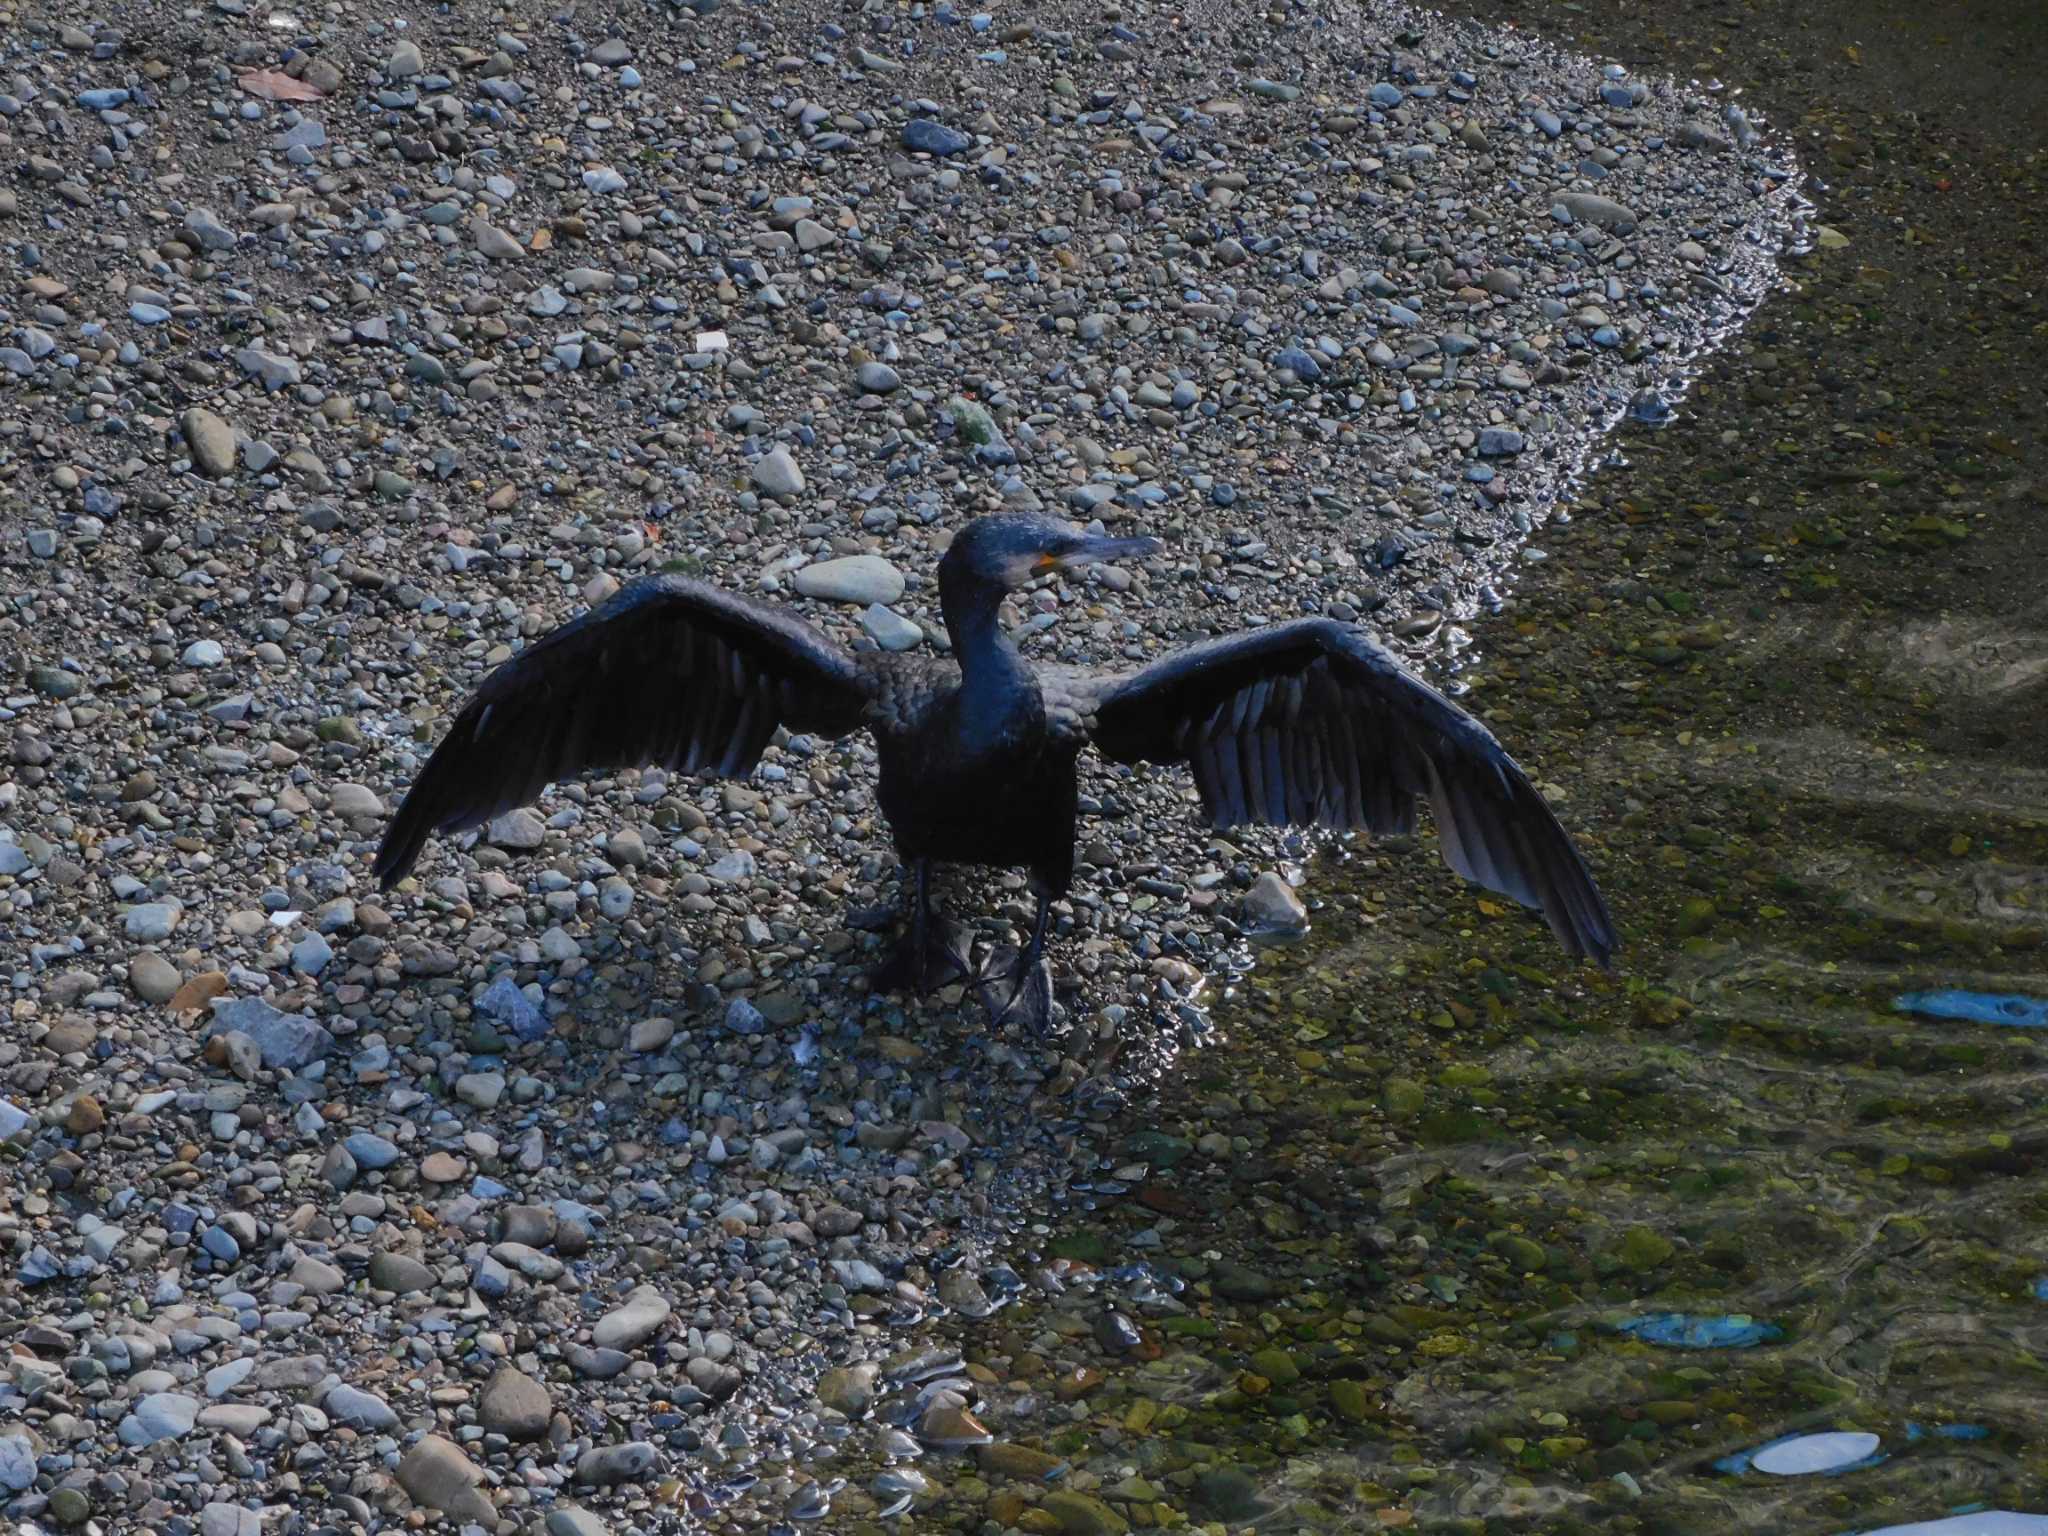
(1013, 551)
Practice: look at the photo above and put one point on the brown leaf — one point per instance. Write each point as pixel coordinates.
(276, 85)
(196, 993)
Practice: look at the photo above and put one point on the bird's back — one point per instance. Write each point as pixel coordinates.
(909, 692)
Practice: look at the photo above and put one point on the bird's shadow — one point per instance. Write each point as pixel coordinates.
(1110, 1040)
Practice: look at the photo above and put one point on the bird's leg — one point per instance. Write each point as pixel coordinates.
(920, 925)
(931, 951)
(1029, 978)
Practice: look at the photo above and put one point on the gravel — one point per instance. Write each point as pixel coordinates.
(340, 357)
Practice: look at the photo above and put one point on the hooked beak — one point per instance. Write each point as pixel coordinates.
(1093, 549)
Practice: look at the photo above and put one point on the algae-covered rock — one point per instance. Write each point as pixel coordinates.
(1643, 1249)
(1277, 1366)
(1350, 1400)
(1525, 1254)
(1082, 1514)
(1402, 1098)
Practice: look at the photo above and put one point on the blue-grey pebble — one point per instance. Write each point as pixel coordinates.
(1300, 363)
(931, 137)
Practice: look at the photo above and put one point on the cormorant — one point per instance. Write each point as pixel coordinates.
(1307, 723)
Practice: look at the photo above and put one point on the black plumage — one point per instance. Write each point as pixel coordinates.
(666, 671)
(1310, 723)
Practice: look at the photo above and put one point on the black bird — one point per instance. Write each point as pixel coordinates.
(1308, 723)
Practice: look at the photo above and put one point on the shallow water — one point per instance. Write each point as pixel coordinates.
(1844, 1201)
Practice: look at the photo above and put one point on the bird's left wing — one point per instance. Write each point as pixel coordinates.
(666, 671)
(1314, 723)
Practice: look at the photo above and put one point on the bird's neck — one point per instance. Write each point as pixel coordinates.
(979, 643)
(993, 672)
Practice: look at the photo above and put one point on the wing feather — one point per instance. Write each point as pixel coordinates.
(1276, 775)
(1315, 722)
(666, 671)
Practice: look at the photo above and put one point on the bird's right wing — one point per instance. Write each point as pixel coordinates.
(666, 671)
(1315, 723)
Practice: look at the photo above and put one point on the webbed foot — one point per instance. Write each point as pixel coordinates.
(1018, 988)
(926, 957)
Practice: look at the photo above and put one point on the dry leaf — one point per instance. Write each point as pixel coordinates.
(276, 85)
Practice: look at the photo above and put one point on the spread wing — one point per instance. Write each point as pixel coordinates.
(1314, 723)
(666, 671)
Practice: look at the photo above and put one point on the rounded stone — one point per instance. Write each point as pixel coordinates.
(515, 1405)
(862, 579)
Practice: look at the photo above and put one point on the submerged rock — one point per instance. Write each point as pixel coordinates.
(1805, 1455)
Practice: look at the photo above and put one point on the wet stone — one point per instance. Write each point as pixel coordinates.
(1082, 1514)
(850, 1389)
(1806, 1455)
(1272, 907)
(1240, 1282)
(1227, 1491)
(1643, 1248)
